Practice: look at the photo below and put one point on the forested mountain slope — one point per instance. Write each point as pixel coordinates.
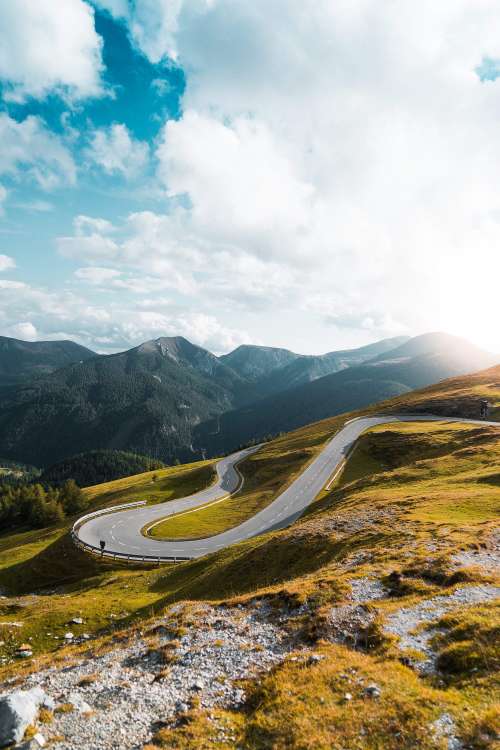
(147, 400)
(169, 399)
(24, 360)
(397, 372)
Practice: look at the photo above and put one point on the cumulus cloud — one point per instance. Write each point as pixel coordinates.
(29, 148)
(90, 241)
(384, 135)
(334, 161)
(116, 151)
(6, 262)
(158, 252)
(114, 326)
(24, 330)
(84, 225)
(242, 188)
(47, 46)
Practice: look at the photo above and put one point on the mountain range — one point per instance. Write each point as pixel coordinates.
(21, 361)
(171, 399)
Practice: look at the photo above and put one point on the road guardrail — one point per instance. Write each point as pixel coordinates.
(122, 556)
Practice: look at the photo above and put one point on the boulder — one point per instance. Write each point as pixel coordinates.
(18, 710)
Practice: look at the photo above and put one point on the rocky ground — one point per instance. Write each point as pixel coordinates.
(118, 698)
(408, 622)
(115, 700)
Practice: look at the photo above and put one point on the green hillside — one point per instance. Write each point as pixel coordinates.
(21, 361)
(412, 498)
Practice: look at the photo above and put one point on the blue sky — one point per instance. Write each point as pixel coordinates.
(314, 175)
(140, 95)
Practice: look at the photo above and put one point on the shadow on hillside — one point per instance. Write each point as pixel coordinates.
(59, 564)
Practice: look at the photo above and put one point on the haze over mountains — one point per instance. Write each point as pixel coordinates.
(417, 362)
(170, 399)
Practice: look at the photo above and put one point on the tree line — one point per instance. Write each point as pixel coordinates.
(98, 466)
(35, 506)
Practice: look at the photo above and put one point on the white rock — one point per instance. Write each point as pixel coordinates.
(68, 636)
(36, 742)
(18, 710)
(48, 702)
(76, 621)
(78, 703)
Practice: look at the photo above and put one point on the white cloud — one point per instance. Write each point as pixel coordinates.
(96, 275)
(380, 137)
(6, 262)
(28, 148)
(92, 247)
(25, 331)
(117, 325)
(243, 189)
(48, 46)
(114, 150)
(162, 252)
(85, 225)
(90, 242)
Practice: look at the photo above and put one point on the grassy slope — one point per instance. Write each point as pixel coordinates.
(408, 515)
(451, 397)
(154, 486)
(265, 474)
(454, 397)
(96, 590)
(52, 568)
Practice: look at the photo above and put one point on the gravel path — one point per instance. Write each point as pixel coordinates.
(405, 621)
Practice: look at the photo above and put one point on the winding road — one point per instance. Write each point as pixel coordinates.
(121, 530)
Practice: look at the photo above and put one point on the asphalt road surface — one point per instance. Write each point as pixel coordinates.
(122, 530)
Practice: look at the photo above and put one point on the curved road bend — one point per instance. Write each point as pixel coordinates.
(122, 530)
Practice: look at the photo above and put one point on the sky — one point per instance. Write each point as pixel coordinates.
(312, 174)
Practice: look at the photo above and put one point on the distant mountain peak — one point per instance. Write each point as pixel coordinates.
(21, 361)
